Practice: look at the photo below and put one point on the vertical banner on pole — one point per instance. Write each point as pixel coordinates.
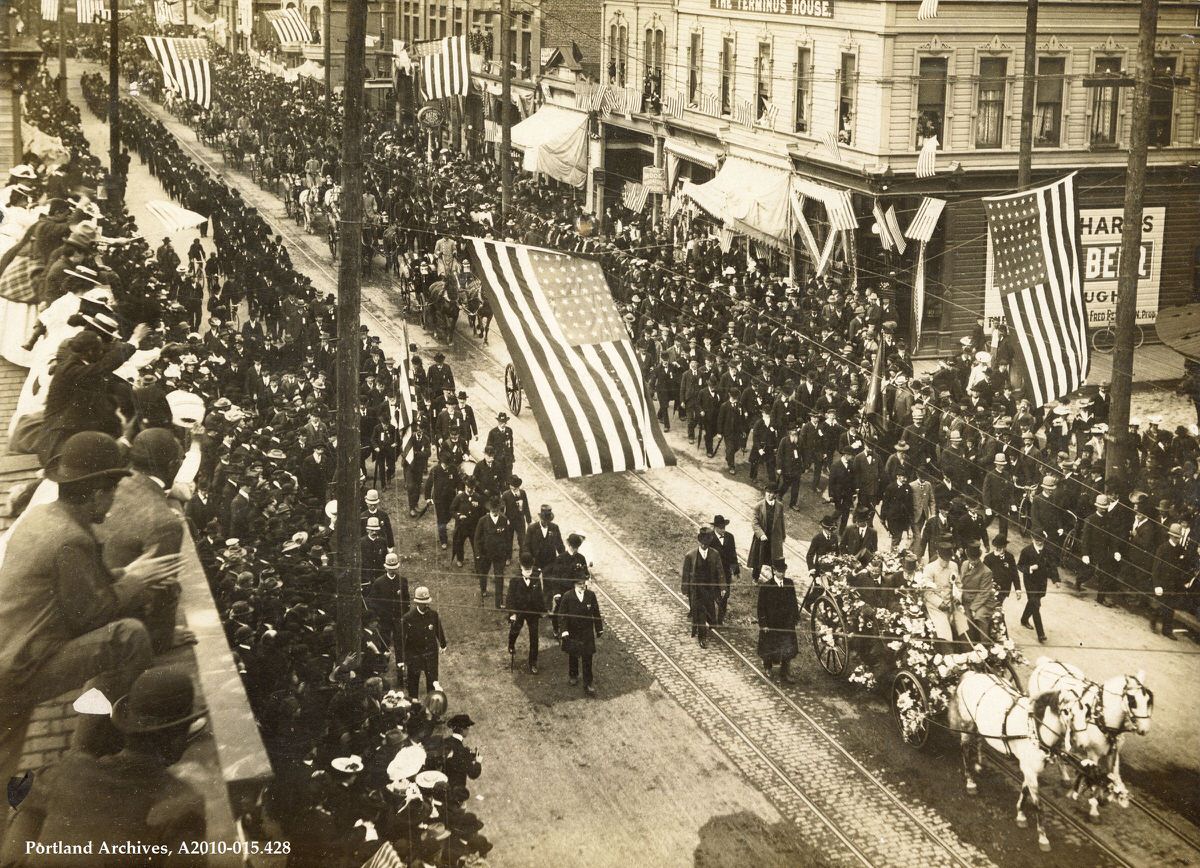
(918, 295)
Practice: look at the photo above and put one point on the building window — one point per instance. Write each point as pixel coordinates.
(1048, 103)
(1162, 101)
(803, 86)
(727, 60)
(618, 54)
(1106, 103)
(654, 58)
(931, 99)
(695, 48)
(847, 87)
(762, 72)
(989, 117)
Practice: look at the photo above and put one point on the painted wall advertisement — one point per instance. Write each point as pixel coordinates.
(1100, 239)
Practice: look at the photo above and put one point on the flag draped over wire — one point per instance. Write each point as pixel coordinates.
(633, 196)
(289, 25)
(90, 11)
(185, 66)
(49, 10)
(447, 72)
(1034, 263)
(168, 12)
(574, 358)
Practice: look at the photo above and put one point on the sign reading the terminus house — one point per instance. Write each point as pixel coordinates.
(798, 8)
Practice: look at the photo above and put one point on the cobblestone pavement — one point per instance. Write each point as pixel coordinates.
(852, 813)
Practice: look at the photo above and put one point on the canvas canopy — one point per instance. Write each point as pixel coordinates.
(554, 139)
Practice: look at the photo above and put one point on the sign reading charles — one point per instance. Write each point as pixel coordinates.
(798, 8)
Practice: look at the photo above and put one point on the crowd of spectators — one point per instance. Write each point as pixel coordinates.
(757, 363)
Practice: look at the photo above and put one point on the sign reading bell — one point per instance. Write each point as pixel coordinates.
(796, 8)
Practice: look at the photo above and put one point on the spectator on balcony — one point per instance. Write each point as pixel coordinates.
(65, 619)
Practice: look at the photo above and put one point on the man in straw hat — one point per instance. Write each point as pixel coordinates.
(421, 637)
(65, 619)
(129, 796)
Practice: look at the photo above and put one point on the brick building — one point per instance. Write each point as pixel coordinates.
(840, 95)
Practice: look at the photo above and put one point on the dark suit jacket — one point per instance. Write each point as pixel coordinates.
(820, 546)
(525, 601)
(841, 485)
(493, 539)
(703, 577)
(544, 547)
(775, 534)
(79, 398)
(581, 620)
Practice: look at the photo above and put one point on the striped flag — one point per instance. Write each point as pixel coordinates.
(90, 11)
(633, 196)
(929, 9)
(1034, 263)
(632, 102)
(927, 160)
(872, 404)
(447, 72)
(839, 208)
(406, 403)
(574, 358)
(893, 225)
(289, 25)
(926, 219)
(770, 114)
(611, 101)
(885, 236)
(710, 104)
(597, 101)
(674, 104)
(49, 10)
(743, 113)
(185, 66)
(385, 857)
(725, 239)
(168, 12)
(832, 145)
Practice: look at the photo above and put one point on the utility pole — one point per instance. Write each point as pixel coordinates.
(116, 186)
(185, 15)
(505, 108)
(62, 50)
(328, 46)
(1120, 455)
(1028, 92)
(349, 591)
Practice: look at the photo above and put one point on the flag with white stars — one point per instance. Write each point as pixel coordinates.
(574, 357)
(185, 66)
(1033, 248)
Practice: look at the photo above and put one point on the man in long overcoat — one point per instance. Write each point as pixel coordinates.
(578, 617)
(778, 614)
(766, 547)
(703, 579)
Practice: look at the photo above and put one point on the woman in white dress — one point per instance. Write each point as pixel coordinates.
(16, 319)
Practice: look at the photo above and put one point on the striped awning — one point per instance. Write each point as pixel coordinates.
(289, 25)
(926, 219)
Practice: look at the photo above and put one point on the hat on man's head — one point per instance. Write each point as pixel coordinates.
(154, 451)
(83, 237)
(88, 456)
(391, 561)
(161, 698)
(23, 171)
(372, 497)
(829, 522)
(720, 521)
(546, 511)
(422, 595)
(575, 540)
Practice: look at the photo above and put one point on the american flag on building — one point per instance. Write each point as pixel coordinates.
(674, 104)
(289, 25)
(90, 11)
(633, 196)
(49, 10)
(1034, 263)
(574, 358)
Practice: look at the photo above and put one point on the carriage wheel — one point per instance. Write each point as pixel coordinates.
(910, 708)
(830, 636)
(512, 389)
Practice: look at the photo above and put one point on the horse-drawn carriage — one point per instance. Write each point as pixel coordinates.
(972, 689)
(879, 615)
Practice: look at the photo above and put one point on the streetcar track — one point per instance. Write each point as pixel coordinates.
(297, 241)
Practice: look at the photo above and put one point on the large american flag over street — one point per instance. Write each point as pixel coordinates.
(447, 72)
(1033, 242)
(185, 66)
(574, 357)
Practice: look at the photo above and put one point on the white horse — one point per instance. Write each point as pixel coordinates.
(987, 708)
(1124, 705)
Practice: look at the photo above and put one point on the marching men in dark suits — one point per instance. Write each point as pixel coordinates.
(726, 546)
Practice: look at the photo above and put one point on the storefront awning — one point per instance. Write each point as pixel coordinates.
(554, 139)
(750, 198)
(695, 153)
